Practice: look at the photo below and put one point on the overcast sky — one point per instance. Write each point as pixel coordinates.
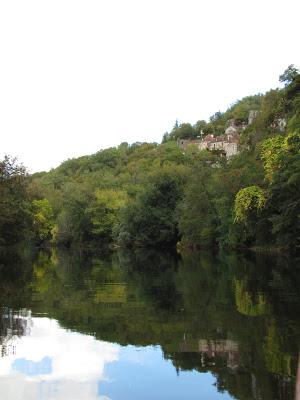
(77, 76)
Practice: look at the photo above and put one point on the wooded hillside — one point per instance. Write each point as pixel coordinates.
(149, 194)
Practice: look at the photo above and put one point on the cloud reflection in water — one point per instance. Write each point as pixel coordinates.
(53, 363)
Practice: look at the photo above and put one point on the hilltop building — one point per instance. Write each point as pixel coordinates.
(227, 144)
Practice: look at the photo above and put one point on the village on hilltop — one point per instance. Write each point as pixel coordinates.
(227, 144)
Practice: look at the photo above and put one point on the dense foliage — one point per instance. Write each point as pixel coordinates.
(14, 201)
(146, 194)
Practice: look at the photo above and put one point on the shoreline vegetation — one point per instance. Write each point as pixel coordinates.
(167, 196)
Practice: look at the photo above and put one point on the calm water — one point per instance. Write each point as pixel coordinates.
(148, 325)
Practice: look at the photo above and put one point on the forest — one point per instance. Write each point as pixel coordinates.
(157, 195)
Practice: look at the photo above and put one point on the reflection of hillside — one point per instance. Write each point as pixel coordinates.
(13, 325)
(232, 316)
(111, 294)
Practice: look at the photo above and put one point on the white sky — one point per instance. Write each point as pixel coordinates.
(80, 75)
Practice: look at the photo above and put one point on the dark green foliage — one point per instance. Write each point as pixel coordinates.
(182, 131)
(127, 194)
(240, 110)
(292, 97)
(242, 171)
(196, 212)
(14, 201)
(284, 193)
(151, 220)
(73, 222)
(272, 216)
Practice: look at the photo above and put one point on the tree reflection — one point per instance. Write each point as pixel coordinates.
(13, 324)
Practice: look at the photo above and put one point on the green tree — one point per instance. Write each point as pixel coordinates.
(283, 173)
(105, 211)
(292, 97)
(150, 218)
(73, 221)
(289, 75)
(14, 201)
(183, 131)
(43, 219)
(196, 212)
(249, 201)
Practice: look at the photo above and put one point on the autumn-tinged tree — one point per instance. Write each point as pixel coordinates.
(248, 202)
(43, 220)
(105, 211)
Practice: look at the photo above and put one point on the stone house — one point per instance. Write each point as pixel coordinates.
(227, 143)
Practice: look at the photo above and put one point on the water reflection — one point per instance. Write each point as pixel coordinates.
(150, 325)
(51, 362)
(13, 326)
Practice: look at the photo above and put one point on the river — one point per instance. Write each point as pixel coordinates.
(148, 325)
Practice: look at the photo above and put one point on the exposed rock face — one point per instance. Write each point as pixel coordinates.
(252, 116)
(232, 123)
(231, 130)
(281, 123)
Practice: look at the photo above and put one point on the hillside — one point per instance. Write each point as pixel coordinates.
(149, 194)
